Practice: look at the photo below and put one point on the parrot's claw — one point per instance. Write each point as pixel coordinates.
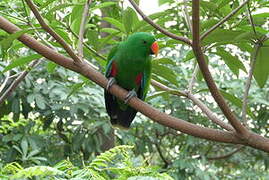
(130, 95)
(111, 81)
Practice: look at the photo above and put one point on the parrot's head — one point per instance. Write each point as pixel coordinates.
(144, 43)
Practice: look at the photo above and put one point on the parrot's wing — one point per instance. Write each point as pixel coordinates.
(110, 100)
(145, 82)
(110, 60)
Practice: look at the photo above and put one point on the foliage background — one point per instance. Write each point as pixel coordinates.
(56, 114)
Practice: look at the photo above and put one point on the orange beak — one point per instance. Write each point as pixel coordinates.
(155, 48)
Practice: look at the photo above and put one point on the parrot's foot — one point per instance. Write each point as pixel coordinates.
(111, 81)
(130, 95)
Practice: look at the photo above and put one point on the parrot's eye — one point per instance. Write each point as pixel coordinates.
(144, 42)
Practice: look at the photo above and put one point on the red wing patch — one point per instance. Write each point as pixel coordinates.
(114, 69)
(138, 79)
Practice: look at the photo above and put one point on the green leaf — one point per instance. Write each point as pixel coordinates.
(115, 23)
(22, 61)
(76, 25)
(103, 5)
(164, 61)
(157, 94)
(161, 2)
(109, 30)
(24, 146)
(51, 67)
(92, 36)
(40, 101)
(128, 19)
(7, 42)
(46, 3)
(261, 69)
(59, 7)
(236, 101)
(231, 61)
(223, 36)
(165, 72)
(75, 88)
(189, 56)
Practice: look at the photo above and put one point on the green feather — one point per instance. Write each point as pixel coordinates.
(132, 57)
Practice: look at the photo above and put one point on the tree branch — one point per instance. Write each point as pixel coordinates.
(187, 16)
(251, 20)
(85, 44)
(16, 82)
(207, 75)
(226, 18)
(3, 85)
(158, 27)
(84, 69)
(248, 83)
(85, 15)
(47, 28)
(197, 102)
(193, 78)
(226, 155)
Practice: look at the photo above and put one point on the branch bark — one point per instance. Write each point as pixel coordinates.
(47, 28)
(86, 70)
(207, 75)
(158, 27)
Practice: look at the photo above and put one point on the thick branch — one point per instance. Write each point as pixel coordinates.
(158, 27)
(46, 27)
(84, 69)
(16, 82)
(226, 18)
(207, 75)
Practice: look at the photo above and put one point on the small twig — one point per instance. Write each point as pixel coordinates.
(193, 78)
(85, 44)
(85, 15)
(158, 27)
(226, 18)
(251, 20)
(29, 22)
(207, 75)
(5, 82)
(186, 14)
(197, 102)
(209, 113)
(196, 67)
(226, 155)
(47, 28)
(251, 69)
(157, 144)
(14, 75)
(16, 82)
(17, 18)
(248, 83)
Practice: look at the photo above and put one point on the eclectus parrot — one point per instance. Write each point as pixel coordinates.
(129, 65)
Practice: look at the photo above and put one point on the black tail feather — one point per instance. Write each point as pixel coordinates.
(118, 117)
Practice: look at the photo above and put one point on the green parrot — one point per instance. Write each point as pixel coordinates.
(129, 65)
